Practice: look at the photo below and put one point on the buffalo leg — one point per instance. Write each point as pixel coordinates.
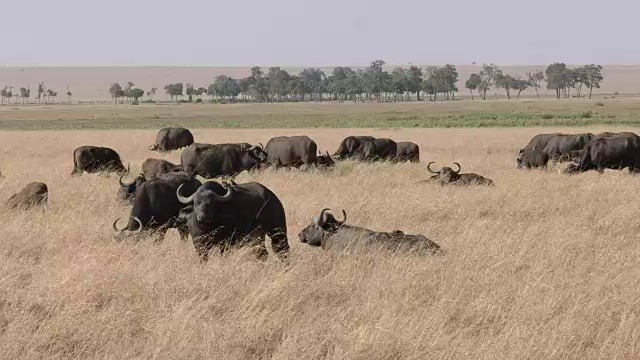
(159, 235)
(260, 250)
(280, 243)
(183, 231)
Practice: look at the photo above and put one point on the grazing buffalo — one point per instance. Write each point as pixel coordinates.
(126, 191)
(565, 147)
(32, 195)
(330, 234)
(324, 160)
(352, 146)
(408, 151)
(609, 153)
(221, 159)
(153, 168)
(447, 176)
(366, 148)
(94, 159)
(612, 135)
(291, 151)
(155, 207)
(232, 214)
(539, 141)
(172, 138)
(529, 158)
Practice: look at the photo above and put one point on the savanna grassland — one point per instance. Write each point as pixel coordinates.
(541, 266)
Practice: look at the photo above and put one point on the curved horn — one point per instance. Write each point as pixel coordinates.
(128, 167)
(459, 168)
(153, 147)
(116, 232)
(326, 153)
(124, 184)
(226, 197)
(344, 218)
(139, 225)
(261, 146)
(182, 199)
(429, 168)
(320, 219)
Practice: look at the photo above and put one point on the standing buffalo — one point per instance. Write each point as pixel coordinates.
(447, 176)
(566, 147)
(155, 207)
(221, 160)
(172, 138)
(94, 159)
(32, 195)
(365, 148)
(292, 151)
(230, 214)
(153, 168)
(126, 191)
(408, 151)
(330, 234)
(539, 141)
(529, 158)
(352, 146)
(612, 135)
(609, 153)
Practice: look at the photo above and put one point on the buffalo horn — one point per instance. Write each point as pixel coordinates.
(429, 168)
(118, 234)
(122, 183)
(153, 147)
(459, 168)
(226, 197)
(261, 146)
(182, 199)
(344, 218)
(320, 219)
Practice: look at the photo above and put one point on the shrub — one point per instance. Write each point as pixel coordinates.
(599, 103)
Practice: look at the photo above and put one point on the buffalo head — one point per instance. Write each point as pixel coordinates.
(323, 225)
(153, 147)
(120, 235)
(257, 153)
(445, 174)
(128, 190)
(205, 201)
(325, 160)
(519, 159)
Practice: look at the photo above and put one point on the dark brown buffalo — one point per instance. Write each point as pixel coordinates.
(32, 195)
(330, 234)
(95, 159)
(366, 148)
(566, 147)
(614, 135)
(539, 141)
(447, 176)
(352, 146)
(407, 151)
(210, 161)
(529, 158)
(172, 138)
(153, 168)
(609, 153)
(126, 191)
(292, 151)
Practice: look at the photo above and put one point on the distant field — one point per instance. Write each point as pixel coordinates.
(462, 113)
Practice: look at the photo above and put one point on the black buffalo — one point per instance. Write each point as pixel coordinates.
(566, 147)
(94, 159)
(172, 138)
(155, 207)
(351, 146)
(32, 195)
(609, 153)
(447, 176)
(235, 214)
(408, 151)
(529, 158)
(330, 234)
(292, 151)
(539, 141)
(366, 148)
(126, 191)
(153, 168)
(210, 161)
(613, 135)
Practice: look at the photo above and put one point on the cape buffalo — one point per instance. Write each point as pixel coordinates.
(609, 153)
(291, 151)
(32, 195)
(565, 147)
(330, 234)
(233, 214)
(94, 159)
(126, 191)
(172, 138)
(155, 207)
(324, 160)
(447, 176)
(612, 135)
(221, 160)
(153, 168)
(365, 148)
(539, 141)
(351, 146)
(529, 158)
(408, 151)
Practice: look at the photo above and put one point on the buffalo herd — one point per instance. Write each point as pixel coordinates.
(223, 214)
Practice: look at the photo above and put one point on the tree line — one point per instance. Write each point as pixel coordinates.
(23, 95)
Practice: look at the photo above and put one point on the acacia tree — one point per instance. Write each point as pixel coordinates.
(3, 93)
(504, 82)
(41, 90)
(472, 83)
(556, 79)
(520, 85)
(414, 80)
(593, 77)
(69, 94)
(487, 75)
(174, 90)
(535, 79)
(115, 90)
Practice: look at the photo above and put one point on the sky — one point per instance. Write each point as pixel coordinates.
(317, 33)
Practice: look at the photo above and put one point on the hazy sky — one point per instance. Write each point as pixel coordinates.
(318, 33)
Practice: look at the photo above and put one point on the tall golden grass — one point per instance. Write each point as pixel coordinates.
(541, 266)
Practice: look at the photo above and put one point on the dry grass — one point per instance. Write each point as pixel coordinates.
(542, 266)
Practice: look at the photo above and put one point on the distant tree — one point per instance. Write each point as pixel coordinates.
(353, 84)
(488, 75)
(127, 90)
(472, 83)
(278, 82)
(151, 93)
(190, 91)
(399, 82)
(69, 94)
(375, 79)
(4, 93)
(593, 77)
(535, 79)
(232, 88)
(505, 82)
(136, 94)
(174, 90)
(51, 95)
(520, 85)
(414, 80)
(200, 91)
(24, 94)
(115, 90)
(9, 94)
(41, 90)
(556, 79)
(312, 81)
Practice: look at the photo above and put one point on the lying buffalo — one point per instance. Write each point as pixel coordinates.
(153, 168)
(32, 195)
(407, 151)
(172, 138)
(566, 147)
(609, 153)
(539, 141)
(366, 148)
(447, 176)
(330, 234)
(95, 159)
(225, 215)
(211, 161)
(293, 151)
(529, 158)
(155, 207)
